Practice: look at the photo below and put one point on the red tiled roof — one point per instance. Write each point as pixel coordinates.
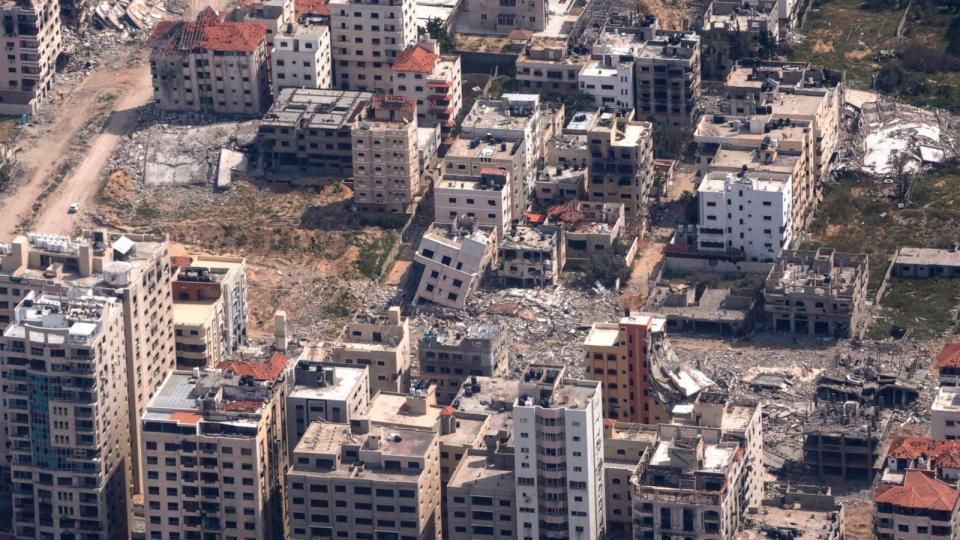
(940, 453)
(609, 422)
(180, 261)
(920, 490)
(416, 59)
(186, 417)
(950, 356)
(208, 32)
(447, 411)
(261, 371)
(311, 7)
(534, 217)
(493, 171)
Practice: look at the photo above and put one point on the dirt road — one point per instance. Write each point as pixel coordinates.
(80, 185)
(44, 155)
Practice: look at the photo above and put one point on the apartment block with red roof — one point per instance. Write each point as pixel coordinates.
(920, 507)
(948, 365)
(215, 451)
(432, 80)
(210, 65)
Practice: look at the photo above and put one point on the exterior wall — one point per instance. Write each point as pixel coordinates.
(490, 207)
(502, 17)
(621, 167)
(668, 85)
(840, 456)
(438, 95)
(384, 347)
(610, 84)
(72, 428)
(200, 344)
(945, 418)
(303, 408)
(482, 509)
(386, 166)
(302, 60)
(740, 214)
(236, 82)
(366, 37)
(552, 77)
(33, 41)
(567, 468)
(238, 474)
(448, 366)
(232, 274)
(891, 522)
(450, 283)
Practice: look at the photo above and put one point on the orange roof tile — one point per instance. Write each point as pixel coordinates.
(186, 417)
(609, 422)
(179, 261)
(416, 59)
(940, 453)
(261, 371)
(920, 490)
(208, 32)
(950, 356)
(311, 7)
(447, 411)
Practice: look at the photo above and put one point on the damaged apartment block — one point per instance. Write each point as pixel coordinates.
(821, 293)
(846, 441)
(449, 357)
(381, 342)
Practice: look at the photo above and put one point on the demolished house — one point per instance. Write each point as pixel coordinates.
(868, 386)
(451, 260)
(700, 308)
(846, 441)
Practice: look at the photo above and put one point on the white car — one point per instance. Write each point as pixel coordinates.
(74, 208)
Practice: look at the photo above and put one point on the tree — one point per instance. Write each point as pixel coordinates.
(904, 174)
(436, 31)
(888, 78)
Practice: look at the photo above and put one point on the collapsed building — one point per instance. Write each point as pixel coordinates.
(729, 311)
(450, 262)
(868, 386)
(210, 65)
(847, 441)
(531, 256)
(817, 293)
(796, 512)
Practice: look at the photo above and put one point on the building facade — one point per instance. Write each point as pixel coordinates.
(431, 80)
(324, 392)
(366, 37)
(301, 59)
(381, 342)
(33, 42)
(448, 358)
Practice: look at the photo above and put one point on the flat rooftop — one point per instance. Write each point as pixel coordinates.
(928, 257)
(528, 238)
(797, 104)
(802, 523)
(455, 337)
(716, 457)
(732, 158)
(603, 334)
(395, 442)
(392, 408)
(475, 469)
(716, 182)
(479, 147)
(738, 128)
(313, 108)
(345, 379)
(193, 313)
(513, 112)
(81, 318)
(947, 400)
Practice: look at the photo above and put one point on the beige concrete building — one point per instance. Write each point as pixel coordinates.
(818, 293)
(482, 181)
(381, 342)
(453, 259)
(544, 67)
(200, 332)
(301, 59)
(134, 269)
(667, 77)
(431, 80)
(623, 447)
(215, 453)
(33, 41)
(386, 164)
(687, 485)
(324, 392)
(230, 273)
(530, 256)
(367, 37)
(558, 458)
(503, 17)
(589, 228)
(791, 90)
(364, 480)
(450, 358)
(210, 65)
(310, 131)
(66, 415)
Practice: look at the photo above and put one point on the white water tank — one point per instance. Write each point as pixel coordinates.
(117, 273)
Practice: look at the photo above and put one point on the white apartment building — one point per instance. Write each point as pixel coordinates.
(366, 37)
(32, 42)
(301, 59)
(558, 456)
(432, 80)
(747, 213)
(921, 507)
(215, 454)
(454, 259)
(486, 199)
(610, 81)
(945, 414)
(65, 407)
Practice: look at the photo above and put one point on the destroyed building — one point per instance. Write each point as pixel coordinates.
(562, 182)
(869, 386)
(530, 256)
(452, 357)
(381, 342)
(817, 293)
(729, 20)
(431, 80)
(275, 15)
(451, 260)
(846, 441)
(34, 41)
(386, 163)
(911, 262)
(689, 485)
(210, 65)
(623, 447)
(200, 415)
(588, 229)
(795, 512)
(310, 131)
(686, 308)
(947, 365)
